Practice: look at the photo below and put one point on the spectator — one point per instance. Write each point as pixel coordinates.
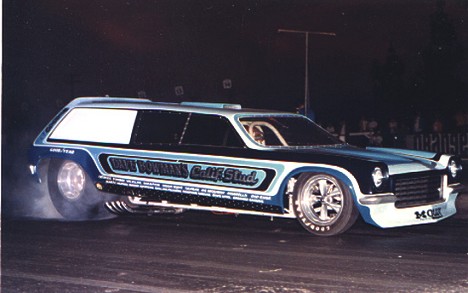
(437, 126)
(376, 139)
(310, 113)
(460, 122)
(363, 124)
(392, 136)
(342, 131)
(418, 124)
(373, 125)
(330, 128)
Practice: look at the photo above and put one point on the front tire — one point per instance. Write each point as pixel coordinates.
(323, 205)
(72, 192)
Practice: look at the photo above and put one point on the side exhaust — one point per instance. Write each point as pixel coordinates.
(121, 207)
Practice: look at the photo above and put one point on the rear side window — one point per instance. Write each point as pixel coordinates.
(96, 125)
(210, 130)
(170, 127)
(159, 127)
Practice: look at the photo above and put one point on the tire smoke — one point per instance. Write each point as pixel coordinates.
(22, 195)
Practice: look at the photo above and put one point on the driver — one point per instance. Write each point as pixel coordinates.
(257, 134)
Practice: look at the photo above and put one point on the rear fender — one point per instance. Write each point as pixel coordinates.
(40, 156)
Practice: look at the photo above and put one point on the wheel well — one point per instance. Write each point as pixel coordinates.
(83, 159)
(43, 169)
(287, 189)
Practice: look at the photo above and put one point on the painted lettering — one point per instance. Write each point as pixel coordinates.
(435, 213)
(164, 169)
(236, 176)
(126, 165)
(209, 173)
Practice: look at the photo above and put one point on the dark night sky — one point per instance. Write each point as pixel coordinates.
(56, 49)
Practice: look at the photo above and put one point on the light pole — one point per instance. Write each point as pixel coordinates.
(306, 74)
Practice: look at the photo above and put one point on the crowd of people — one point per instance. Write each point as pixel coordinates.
(392, 132)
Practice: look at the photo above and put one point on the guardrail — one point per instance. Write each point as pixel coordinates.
(450, 143)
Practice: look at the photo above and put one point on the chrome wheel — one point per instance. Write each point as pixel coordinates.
(71, 180)
(73, 193)
(321, 199)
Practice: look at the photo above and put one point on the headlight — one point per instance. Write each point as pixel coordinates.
(454, 168)
(378, 176)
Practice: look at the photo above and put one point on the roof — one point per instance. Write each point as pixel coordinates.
(138, 103)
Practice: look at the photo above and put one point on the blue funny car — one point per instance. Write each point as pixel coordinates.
(125, 155)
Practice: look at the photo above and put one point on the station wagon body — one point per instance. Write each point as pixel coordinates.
(126, 155)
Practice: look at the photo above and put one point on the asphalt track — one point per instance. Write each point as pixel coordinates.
(223, 253)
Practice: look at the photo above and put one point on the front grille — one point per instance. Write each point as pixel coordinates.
(417, 189)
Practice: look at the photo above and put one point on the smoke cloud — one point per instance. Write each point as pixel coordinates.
(22, 195)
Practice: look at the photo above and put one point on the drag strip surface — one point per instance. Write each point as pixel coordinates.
(203, 252)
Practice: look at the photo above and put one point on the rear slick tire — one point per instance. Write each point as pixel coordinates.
(323, 205)
(73, 194)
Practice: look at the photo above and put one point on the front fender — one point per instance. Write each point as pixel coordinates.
(348, 180)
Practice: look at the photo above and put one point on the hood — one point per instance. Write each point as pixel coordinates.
(397, 160)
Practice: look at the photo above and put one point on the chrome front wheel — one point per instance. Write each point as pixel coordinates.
(322, 199)
(323, 205)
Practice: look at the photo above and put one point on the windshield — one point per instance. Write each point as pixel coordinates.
(286, 131)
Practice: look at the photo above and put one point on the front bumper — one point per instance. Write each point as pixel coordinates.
(380, 210)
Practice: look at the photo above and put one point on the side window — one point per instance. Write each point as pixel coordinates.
(159, 127)
(98, 125)
(210, 130)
